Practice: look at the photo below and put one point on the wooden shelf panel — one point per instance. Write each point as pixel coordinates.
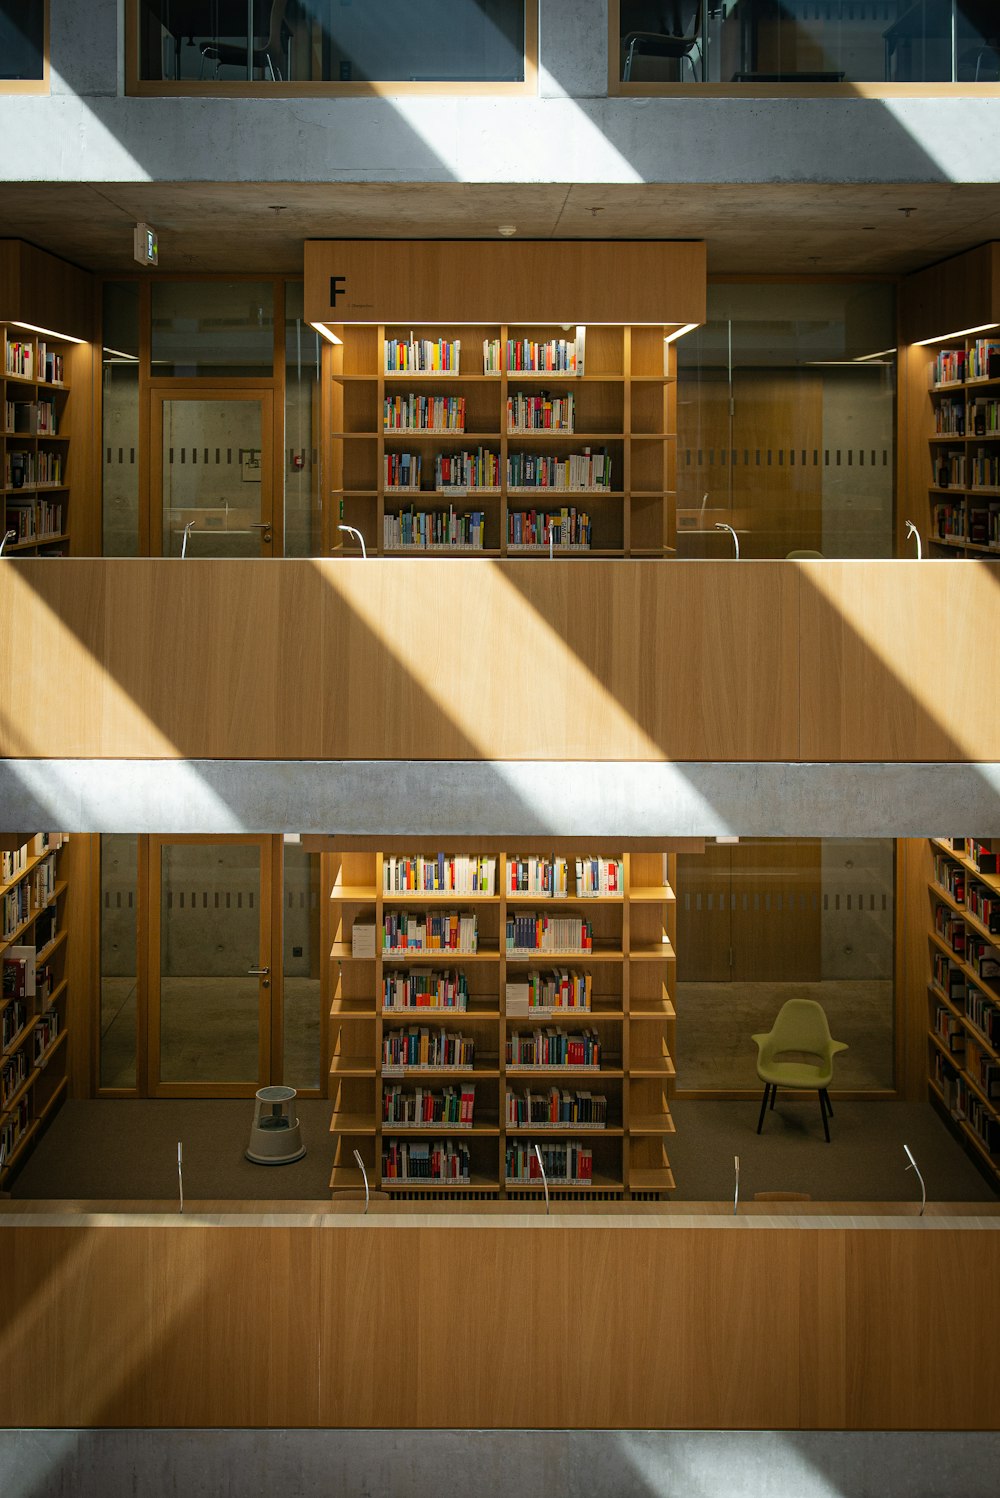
(652, 894)
(596, 1183)
(651, 1124)
(352, 1123)
(610, 1072)
(563, 1016)
(395, 1074)
(665, 1010)
(441, 956)
(352, 1066)
(650, 1066)
(474, 1183)
(445, 897)
(660, 1178)
(459, 1016)
(652, 952)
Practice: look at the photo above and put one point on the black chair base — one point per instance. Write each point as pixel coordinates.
(825, 1106)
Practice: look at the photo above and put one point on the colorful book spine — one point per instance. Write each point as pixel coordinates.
(430, 931)
(556, 1109)
(529, 931)
(567, 1163)
(411, 1161)
(439, 873)
(422, 355)
(467, 470)
(403, 989)
(586, 470)
(401, 470)
(423, 413)
(567, 529)
(428, 530)
(540, 413)
(548, 1048)
(424, 1048)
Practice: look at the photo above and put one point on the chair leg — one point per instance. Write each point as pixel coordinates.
(829, 1105)
(774, 1094)
(822, 1109)
(763, 1106)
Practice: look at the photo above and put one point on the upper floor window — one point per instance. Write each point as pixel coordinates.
(665, 43)
(349, 46)
(23, 46)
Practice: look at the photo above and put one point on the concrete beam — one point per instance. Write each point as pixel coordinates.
(451, 1464)
(497, 799)
(68, 138)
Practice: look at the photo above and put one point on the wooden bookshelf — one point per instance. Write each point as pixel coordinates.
(964, 444)
(35, 432)
(630, 969)
(963, 994)
(33, 1006)
(623, 406)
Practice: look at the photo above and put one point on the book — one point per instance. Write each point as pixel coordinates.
(363, 939)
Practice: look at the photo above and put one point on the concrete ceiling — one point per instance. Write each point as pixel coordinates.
(770, 228)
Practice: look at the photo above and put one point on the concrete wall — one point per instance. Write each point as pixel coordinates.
(87, 132)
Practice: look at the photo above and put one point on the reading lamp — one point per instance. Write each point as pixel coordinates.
(914, 1166)
(180, 1174)
(736, 1196)
(364, 1177)
(911, 530)
(184, 542)
(8, 536)
(545, 1179)
(352, 530)
(720, 525)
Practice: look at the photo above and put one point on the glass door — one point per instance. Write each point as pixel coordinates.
(211, 473)
(210, 995)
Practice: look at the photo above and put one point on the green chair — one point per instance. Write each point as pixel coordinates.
(801, 1031)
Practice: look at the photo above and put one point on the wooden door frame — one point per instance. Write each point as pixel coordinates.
(268, 998)
(211, 389)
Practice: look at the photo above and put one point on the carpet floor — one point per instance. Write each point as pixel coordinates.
(109, 1150)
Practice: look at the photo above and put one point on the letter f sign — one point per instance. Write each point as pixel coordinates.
(338, 287)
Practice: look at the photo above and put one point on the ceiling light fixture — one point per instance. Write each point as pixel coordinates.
(983, 327)
(33, 327)
(686, 327)
(507, 230)
(325, 332)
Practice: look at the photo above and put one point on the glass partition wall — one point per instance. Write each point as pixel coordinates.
(764, 42)
(786, 422)
(210, 964)
(762, 920)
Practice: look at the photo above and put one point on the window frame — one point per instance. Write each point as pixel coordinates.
(11, 86)
(872, 90)
(315, 88)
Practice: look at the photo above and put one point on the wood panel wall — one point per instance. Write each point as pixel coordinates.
(389, 1325)
(41, 289)
(428, 659)
(544, 282)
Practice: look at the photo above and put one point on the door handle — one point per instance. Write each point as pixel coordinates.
(264, 526)
(258, 972)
